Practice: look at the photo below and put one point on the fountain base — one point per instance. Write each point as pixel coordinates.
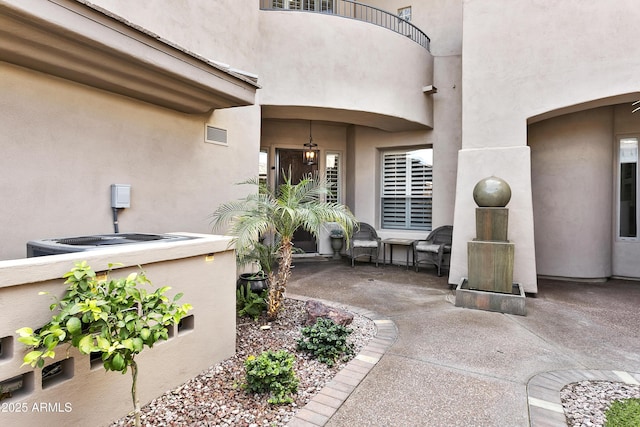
(508, 303)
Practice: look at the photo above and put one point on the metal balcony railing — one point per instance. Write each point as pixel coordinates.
(353, 10)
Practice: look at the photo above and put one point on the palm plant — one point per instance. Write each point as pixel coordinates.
(279, 213)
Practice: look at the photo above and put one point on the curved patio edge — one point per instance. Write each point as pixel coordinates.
(543, 392)
(326, 402)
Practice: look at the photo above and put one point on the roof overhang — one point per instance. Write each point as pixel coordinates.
(87, 45)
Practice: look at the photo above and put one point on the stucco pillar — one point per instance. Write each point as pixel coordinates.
(513, 164)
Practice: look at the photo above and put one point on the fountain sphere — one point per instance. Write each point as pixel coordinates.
(492, 192)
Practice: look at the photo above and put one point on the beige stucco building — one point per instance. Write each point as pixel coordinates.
(183, 99)
(537, 93)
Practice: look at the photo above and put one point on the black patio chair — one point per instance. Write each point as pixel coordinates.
(435, 249)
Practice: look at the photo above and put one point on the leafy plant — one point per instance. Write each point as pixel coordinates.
(249, 303)
(623, 413)
(280, 213)
(337, 233)
(114, 317)
(326, 340)
(272, 372)
(264, 254)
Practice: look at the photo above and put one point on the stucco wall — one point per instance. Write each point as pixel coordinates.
(322, 67)
(522, 59)
(572, 182)
(64, 144)
(223, 30)
(625, 253)
(441, 20)
(528, 57)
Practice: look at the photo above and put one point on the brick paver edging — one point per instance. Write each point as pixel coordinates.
(543, 392)
(324, 405)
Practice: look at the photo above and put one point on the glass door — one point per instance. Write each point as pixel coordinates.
(289, 162)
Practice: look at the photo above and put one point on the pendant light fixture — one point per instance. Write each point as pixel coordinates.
(309, 156)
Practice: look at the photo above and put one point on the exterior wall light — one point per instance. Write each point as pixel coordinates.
(310, 155)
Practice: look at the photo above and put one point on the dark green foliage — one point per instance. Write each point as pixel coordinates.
(249, 303)
(326, 341)
(623, 413)
(272, 372)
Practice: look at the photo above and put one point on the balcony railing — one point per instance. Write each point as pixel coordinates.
(353, 10)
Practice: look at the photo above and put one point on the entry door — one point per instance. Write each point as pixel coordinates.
(291, 160)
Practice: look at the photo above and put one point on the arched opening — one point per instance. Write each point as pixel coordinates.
(575, 172)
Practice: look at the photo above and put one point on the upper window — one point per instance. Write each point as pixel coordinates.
(405, 13)
(315, 5)
(407, 189)
(628, 188)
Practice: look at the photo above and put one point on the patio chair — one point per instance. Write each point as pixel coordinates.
(364, 242)
(435, 249)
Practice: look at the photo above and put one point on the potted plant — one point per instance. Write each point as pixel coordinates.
(265, 256)
(336, 235)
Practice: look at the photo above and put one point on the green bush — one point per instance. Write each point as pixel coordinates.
(272, 372)
(115, 318)
(623, 413)
(249, 303)
(326, 341)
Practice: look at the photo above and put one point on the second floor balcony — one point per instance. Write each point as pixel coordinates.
(353, 10)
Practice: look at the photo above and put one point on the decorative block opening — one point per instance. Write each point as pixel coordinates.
(16, 387)
(95, 359)
(186, 324)
(6, 348)
(57, 373)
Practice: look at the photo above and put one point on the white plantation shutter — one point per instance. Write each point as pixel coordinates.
(407, 189)
(333, 177)
(314, 5)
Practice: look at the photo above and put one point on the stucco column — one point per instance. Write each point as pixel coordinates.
(513, 164)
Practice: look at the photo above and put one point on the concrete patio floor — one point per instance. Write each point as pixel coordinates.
(450, 366)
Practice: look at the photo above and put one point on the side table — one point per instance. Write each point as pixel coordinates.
(395, 242)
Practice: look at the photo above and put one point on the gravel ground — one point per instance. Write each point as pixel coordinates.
(216, 398)
(585, 402)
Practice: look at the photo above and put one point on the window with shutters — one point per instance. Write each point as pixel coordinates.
(407, 189)
(332, 162)
(313, 5)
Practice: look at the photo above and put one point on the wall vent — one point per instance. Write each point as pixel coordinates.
(215, 135)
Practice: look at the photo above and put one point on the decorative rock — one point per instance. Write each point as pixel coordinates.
(316, 309)
(492, 192)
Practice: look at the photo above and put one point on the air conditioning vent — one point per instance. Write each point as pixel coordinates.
(215, 135)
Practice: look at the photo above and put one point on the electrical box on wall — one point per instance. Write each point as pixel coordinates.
(120, 196)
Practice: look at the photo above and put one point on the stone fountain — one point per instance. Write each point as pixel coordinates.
(490, 255)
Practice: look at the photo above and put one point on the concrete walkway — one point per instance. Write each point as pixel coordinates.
(434, 364)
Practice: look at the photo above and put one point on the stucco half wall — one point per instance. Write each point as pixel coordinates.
(203, 269)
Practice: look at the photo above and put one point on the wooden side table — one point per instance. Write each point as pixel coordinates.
(408, 243)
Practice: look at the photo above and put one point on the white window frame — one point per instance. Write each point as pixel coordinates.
(406, 189)
(405, 13)
(314, 5)
(631, 157)
(337, 189)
